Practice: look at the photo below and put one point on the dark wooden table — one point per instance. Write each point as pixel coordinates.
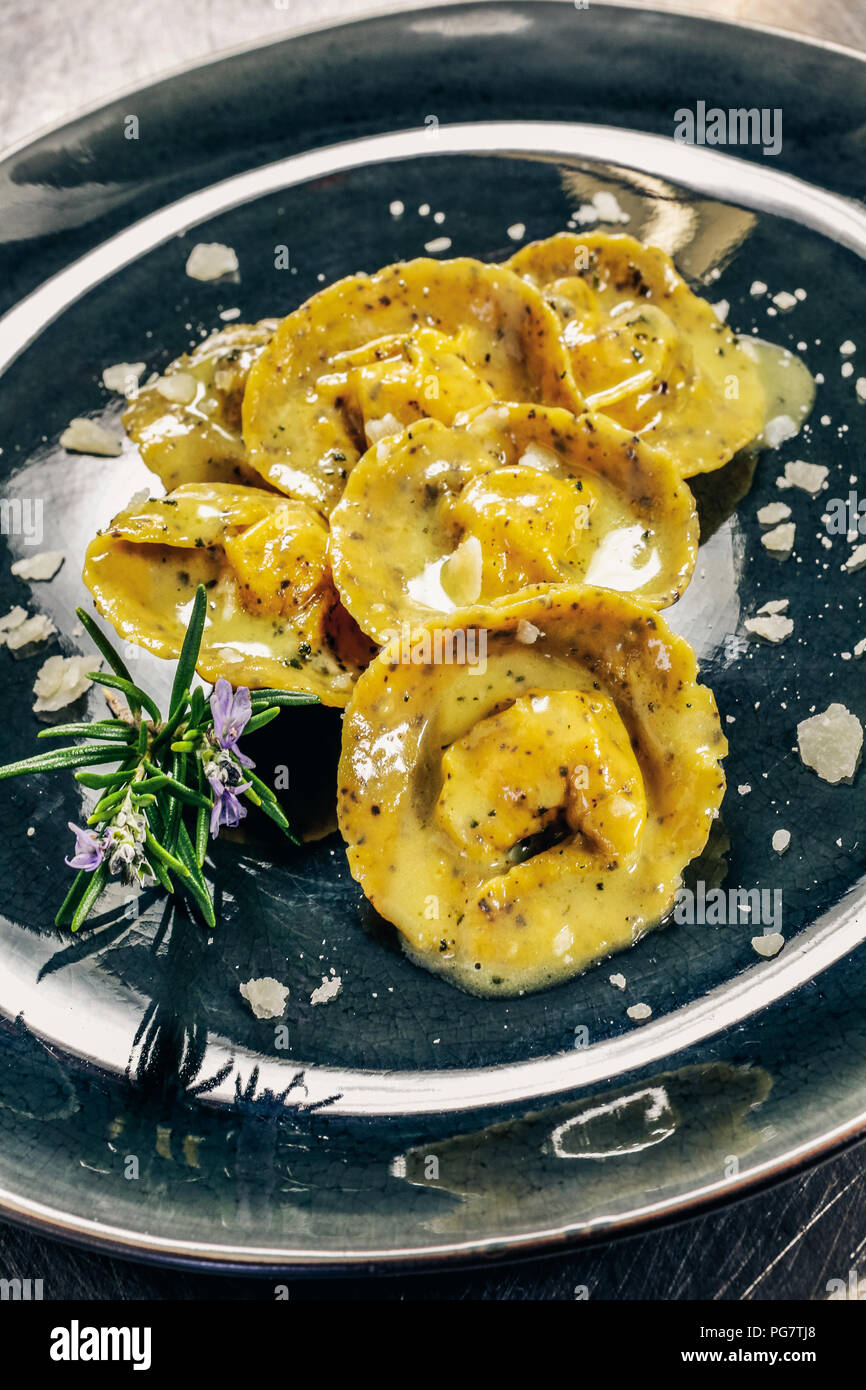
(788, 1242)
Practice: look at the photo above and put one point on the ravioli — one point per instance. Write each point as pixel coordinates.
(522, 804)
(188, 424)
(646, 350)
(512, 495)
(370, 354)
(273, 615)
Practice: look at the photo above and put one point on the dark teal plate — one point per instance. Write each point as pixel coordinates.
(403, 1120)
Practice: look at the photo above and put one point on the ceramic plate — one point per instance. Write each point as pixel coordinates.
(403, 1120)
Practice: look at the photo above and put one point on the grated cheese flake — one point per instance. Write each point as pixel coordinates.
(831, 743)
(773, 513)
(123, 377)
(462, 572)
(808, 476)
(780, 541)
(36, 629)
(856, 560)
(769, 945)
(266, 997)
(771, 628)
(179, 388)
(85, 436)
(527, 632)
(38, 567)
(59, 681)
(327, 990)
(211, 260)
(637, 1012)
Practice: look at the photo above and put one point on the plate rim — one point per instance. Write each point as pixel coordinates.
(146, 1247)
(295, 31)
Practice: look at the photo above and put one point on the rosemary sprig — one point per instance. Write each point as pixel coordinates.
(187, 766)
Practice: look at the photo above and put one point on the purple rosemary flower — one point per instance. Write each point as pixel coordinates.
(222, 760)
(231, 710)
(90, 848)
(227, 810)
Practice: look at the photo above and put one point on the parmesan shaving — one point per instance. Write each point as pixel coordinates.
(38, 567)
(266, 997)
(831, 743)
(83, 436)
(59, 681)
(210, 260)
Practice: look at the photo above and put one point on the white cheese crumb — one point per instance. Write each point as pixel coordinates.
(638, 1011)
(123, 377)
(36, 629)
(31, 831)
(83, 436)
(382, 428)
(517, 231)
(14, 618)
(539, 456)
(785, 301)
(860, 648)
(744, 788)
(563, 941)
(758, 287)
(831, 743)
(808, 476)
(396, 208)
(775, 605)
(228, 315)
(38, 567)
(493, 416)
(777, 430)
(527, 632)
(180, 387)
(773, 513)
(856, 560)
(780, 541)
(618, 981)
(462, 571)
(860, 388)
(59, 681)
(721, 310)
(438, 244)
(772, 628)
(847, 348)
(607, 208)
(266, 997)
(769, 945)
(781, 841)
(210, 260)
(328, 989)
